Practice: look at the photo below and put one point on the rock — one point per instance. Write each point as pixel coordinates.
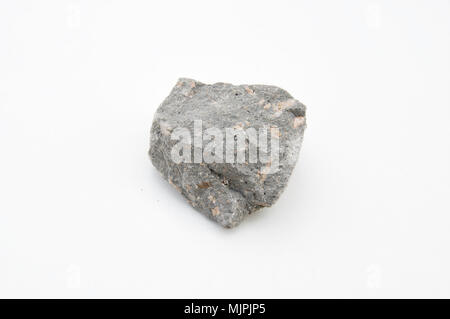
(209, 142)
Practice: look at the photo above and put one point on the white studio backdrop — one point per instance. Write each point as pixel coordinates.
(84, 214)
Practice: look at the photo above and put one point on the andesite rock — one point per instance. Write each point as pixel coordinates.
(228, 191)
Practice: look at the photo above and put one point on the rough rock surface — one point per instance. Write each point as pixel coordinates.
(227, 192)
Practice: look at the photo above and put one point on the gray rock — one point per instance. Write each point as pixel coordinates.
(227, 191)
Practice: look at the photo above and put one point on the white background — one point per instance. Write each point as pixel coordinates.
(83, 213)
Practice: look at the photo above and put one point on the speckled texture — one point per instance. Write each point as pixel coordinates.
(227, 192)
